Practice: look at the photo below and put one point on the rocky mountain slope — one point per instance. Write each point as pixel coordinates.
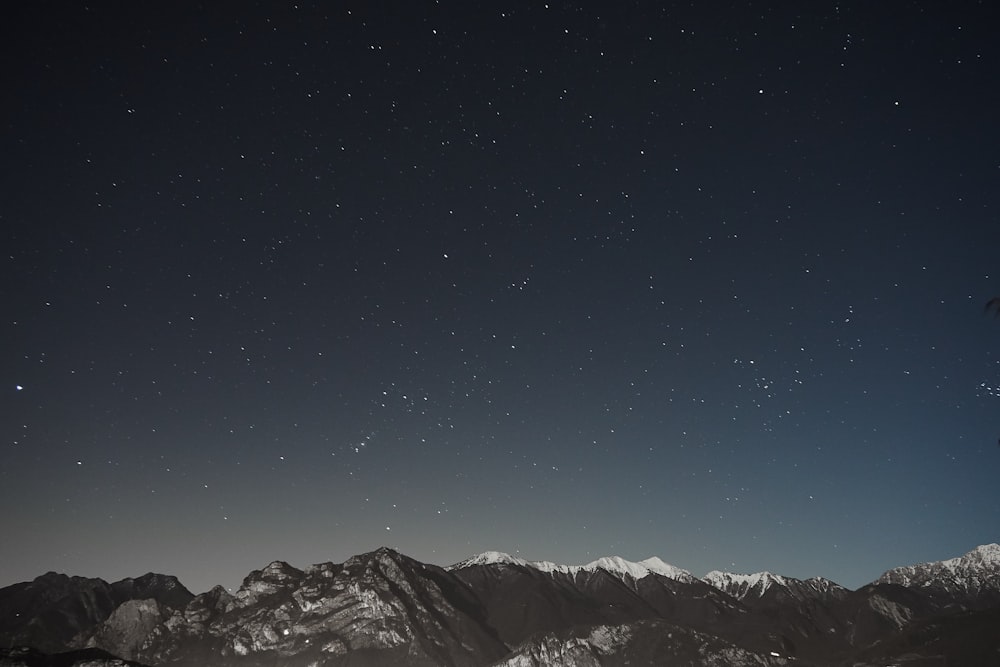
(383, 608)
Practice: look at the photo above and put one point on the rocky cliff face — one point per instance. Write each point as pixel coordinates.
(125, 631)
(382, 608)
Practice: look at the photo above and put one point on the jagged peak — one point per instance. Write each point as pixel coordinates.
(279, 566)
(380, 558)
(387, 552)
(986, 552)
(218, 591)
(382, 553)
(276, 570)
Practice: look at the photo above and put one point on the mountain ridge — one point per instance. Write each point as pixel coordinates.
(612, 564)
(385, 608)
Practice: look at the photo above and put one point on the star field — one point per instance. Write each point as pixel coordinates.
(566, 280)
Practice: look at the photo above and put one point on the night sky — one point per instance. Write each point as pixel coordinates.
(565, 280)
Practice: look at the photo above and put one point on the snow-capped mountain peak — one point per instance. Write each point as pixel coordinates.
(618, 565)
(657, 566)
(489, 558)
(974, 573)
(985, 553)
(615, 565)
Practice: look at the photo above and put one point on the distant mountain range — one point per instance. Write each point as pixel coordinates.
(383, 608)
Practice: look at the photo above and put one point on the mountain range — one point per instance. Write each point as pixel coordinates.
(384, 608)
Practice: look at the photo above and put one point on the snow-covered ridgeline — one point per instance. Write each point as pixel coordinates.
(973, 570)
(612, 564)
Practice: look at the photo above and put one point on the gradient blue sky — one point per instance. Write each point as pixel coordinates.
(566, 280)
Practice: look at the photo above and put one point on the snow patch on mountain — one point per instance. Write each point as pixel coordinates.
(824, 585)
(742, 585)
